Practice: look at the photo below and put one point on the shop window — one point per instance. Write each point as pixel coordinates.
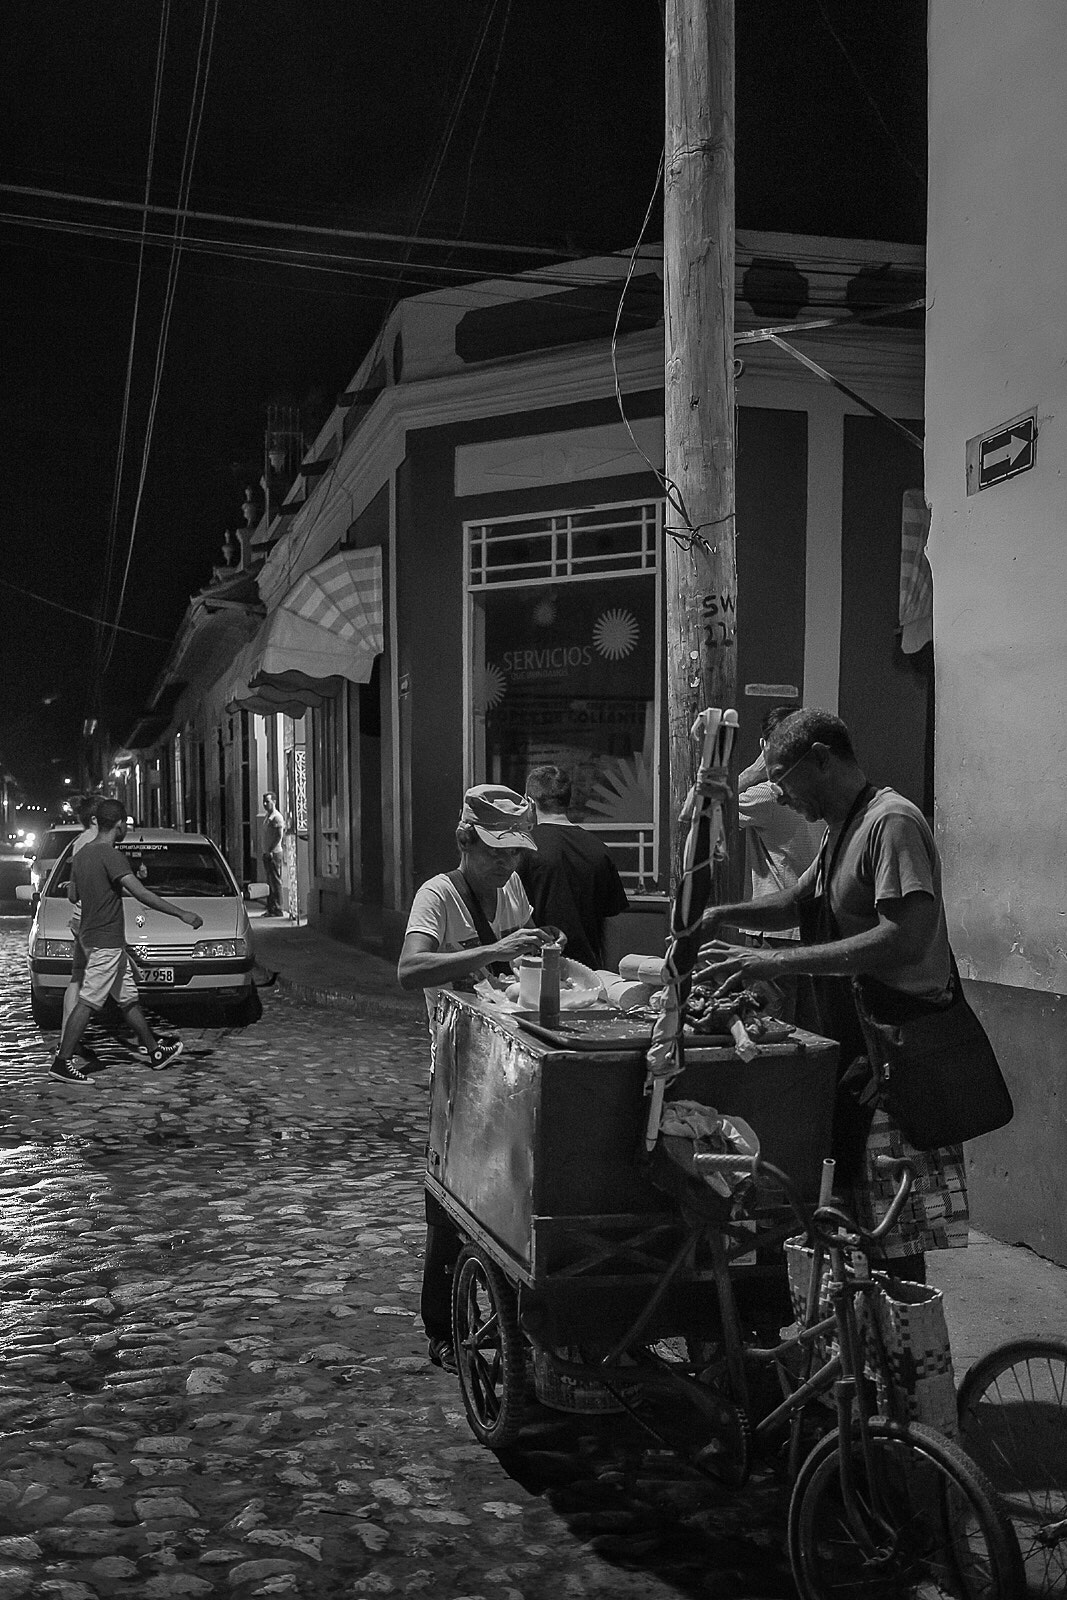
(328, 787)
(565, 644)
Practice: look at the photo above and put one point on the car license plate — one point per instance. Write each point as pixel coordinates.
(159, 974)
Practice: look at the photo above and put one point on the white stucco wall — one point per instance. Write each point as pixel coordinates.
(997, 345)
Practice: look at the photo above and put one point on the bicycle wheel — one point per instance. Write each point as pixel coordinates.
(490, 1356)
(921, 1521)
(1013, 1422)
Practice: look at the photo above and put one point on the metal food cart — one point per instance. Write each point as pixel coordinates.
(582, 1253)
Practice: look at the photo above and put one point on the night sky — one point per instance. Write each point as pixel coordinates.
(332, 113)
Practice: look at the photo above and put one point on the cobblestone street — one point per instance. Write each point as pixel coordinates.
(214, 1380)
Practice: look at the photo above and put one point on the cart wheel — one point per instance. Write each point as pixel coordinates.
(489, 1348)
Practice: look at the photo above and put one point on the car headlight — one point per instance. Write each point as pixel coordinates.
(220, 949)
(55, 949)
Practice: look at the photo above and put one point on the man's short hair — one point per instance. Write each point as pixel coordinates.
(109, 813)
(87, 810)
(549, 787)
(772, 718)
(794, 737)
(268, 796)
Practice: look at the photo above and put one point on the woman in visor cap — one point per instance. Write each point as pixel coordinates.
(461, 925)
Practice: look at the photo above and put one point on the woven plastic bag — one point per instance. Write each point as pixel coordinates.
(909, 1322)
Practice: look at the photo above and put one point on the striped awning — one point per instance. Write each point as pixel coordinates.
(329, 627)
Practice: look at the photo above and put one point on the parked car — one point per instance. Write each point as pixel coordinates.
(176, 966)
(52, 845)
(14, 868)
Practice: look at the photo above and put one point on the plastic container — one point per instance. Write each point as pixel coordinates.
(644, 969)
(529, 982)
(564, 1391)
(625, 993)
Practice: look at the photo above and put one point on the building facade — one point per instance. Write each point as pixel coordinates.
(996, 462)
(465, 577)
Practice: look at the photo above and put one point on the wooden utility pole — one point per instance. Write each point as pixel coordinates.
(698, 294)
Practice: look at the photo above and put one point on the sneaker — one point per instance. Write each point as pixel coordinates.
(67, 1072)
(164, 1054)
(442, 1354)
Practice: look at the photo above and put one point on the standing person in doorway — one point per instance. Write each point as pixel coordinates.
(461, 924)
(873, 901)
(271, 837)
(572, 882)
(100, 876)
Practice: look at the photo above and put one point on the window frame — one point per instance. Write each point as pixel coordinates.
(647, 843)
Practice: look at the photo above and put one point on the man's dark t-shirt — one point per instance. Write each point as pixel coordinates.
(573, 884)
(97, 871)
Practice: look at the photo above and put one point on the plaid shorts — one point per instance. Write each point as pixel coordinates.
(937, 1214)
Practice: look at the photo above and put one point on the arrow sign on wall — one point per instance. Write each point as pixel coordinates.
(993, 457)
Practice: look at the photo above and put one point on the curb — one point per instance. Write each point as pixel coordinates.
(360, 1005)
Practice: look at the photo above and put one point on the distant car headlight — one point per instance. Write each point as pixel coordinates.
(55, 949)
(220, 949)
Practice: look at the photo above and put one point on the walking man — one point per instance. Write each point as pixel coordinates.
(100, 875)
(572, 882)
(271, 835)
(71, 994)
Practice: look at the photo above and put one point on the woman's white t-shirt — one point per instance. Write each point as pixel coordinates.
(438, 911)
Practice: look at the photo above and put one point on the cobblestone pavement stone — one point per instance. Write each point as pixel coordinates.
(213, 1378)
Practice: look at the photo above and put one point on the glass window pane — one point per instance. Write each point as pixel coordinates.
(568, 677)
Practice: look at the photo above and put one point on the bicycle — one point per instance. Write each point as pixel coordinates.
(880, 1507)
(1013, 1422)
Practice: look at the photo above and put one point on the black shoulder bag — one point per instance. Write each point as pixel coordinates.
(482, 925)
(939, 1078)
(936, 1072)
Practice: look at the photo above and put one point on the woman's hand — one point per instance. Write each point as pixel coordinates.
(728, 968)
(523, 942)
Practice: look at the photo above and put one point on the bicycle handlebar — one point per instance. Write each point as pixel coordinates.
(753, 1166)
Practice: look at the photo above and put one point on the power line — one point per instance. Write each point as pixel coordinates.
(86, 616)
(192, 139)
(359, 235)
(116, 494)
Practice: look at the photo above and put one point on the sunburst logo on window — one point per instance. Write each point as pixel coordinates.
(615, 633)
(494, 686)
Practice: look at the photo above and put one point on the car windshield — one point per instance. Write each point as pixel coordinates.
(54, 841)
(169, 868)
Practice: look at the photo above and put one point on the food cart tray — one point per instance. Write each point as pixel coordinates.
(589, 1033)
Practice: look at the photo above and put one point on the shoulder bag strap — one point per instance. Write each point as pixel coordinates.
(482, 926)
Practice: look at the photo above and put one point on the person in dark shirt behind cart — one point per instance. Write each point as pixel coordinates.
(100, 875)
(572, 882)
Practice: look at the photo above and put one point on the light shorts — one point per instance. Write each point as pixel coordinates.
(77, 970)
(107, 972)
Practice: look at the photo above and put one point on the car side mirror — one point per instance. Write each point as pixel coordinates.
(257, 891)
(26, 891)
